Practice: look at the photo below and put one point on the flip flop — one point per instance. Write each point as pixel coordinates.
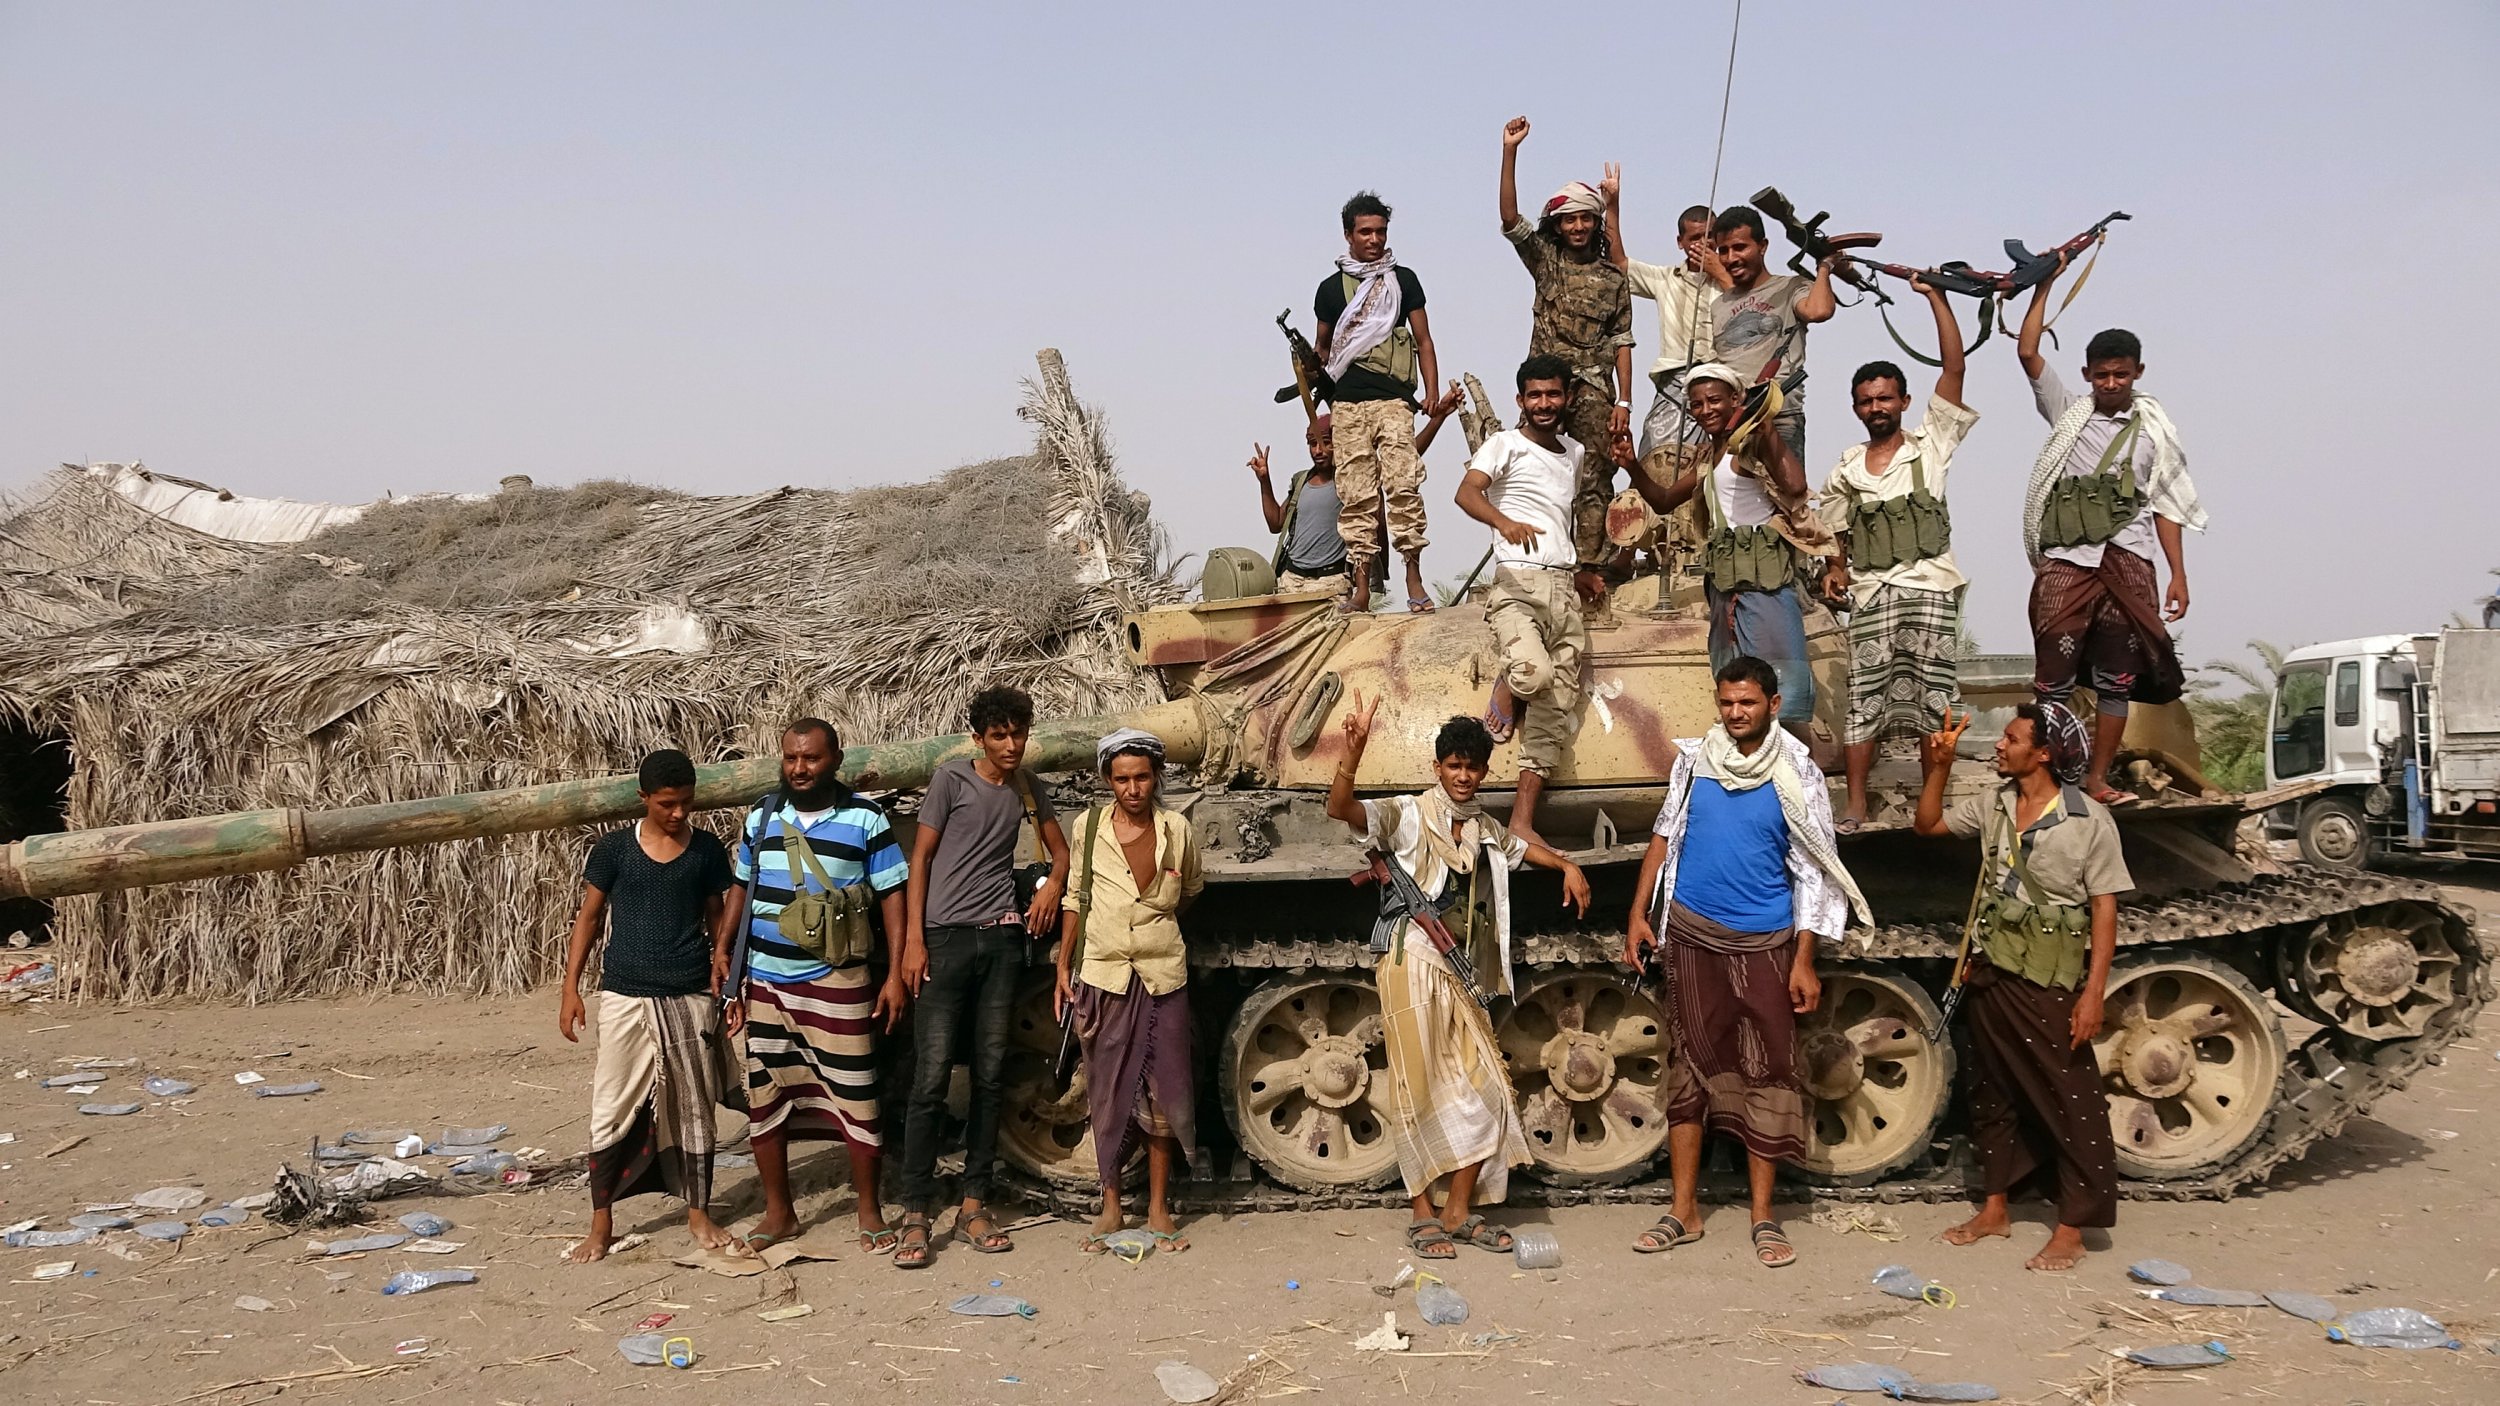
(1418, 605)
(1095, 1244)
(761, 1240)
(1170, 1243)
(1502, 723)
(1847, 826)
(1768, 1241)
(1475, 1231)
(879, 1242)
(1668, 1233)
(1430, 1240)
(2113, 798)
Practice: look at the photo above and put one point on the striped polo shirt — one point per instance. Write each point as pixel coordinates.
(853, 844)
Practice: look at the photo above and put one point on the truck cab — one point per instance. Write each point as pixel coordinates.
(2342, 714)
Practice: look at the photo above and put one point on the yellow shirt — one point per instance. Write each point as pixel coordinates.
(1127, 931)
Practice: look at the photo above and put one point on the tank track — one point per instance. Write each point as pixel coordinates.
(2328, 1080)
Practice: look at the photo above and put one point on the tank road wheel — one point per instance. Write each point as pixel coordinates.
(1306, 1081)
(1588, 1059)
(2380, 972)
(1042, 1130)
(2190, 1056)
(1878, 1085)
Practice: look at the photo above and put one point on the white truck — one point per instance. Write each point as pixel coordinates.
(2400, 737)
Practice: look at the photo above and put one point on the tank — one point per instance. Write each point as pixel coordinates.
(2254, 1007)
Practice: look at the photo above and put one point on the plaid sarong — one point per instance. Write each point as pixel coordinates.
(1453, 1101)
(662, 1066)
(1903, 664)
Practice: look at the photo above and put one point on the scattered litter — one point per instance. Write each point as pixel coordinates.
(375, 1173)
(170, 1198)
(474, 1137)
(336, 1154)
(2442, 1133)
(58, 1269)
(409, 1146)
(485, 1164)
(252, 1304)
(417, 1281)
(1184, 1383)
(785, 1314)
(27, 978)
(643, 1349)
(46, 1239)
(71, 1081)
(247, 1078)
(1293, 1284)
(165, 1230)
(992, 1306)
(1494, 1339)
(2173, 1356)
(108, 1110)
(679, 1352)
(2159, 1272)
(2391, 1327)
(123, 1250)
(309, 1086)
(423, 1223)
(1536, 1248)
(1130, 1245)
(412, 1347)
(1397, 1281)
(7, 1138)
(788, 1252)
(381, 1137)
(1440, 1304)
(254, 1201)
(102, 1062)
(64, 1145)
(733, 1159)
(736, 1266)
(27, 1224)
(630, 1240)
(359, 1245)
(169, 1088)
(2309, 1306)
(431, 1246)
(224, 1216)
(1892, 1382)
(461, 1149)
(100, 1220)
(1899, 1281)
(654, 1321)
(1385, 1338)
(2198, 1296)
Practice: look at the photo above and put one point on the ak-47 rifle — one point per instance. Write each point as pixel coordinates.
(1310, 375)
(1991, 288)
(1813, 245)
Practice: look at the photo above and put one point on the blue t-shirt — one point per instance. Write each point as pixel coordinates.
(853, 845)
(1734, 868)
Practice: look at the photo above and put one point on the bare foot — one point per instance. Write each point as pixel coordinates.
(1978, 1228)
(593, 1247)
(1110, 1222)
(1501, 714)
(712, 1235)
(2063, 1252)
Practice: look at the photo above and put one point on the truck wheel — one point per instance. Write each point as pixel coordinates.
(2332, 833)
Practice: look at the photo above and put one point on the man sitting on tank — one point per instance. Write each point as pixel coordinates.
(1310, 545)
(2110, 485)
(2050, 873)
(1443, 944)
(1521, 484)
(1758, 533)
(1894, 572)
(1742, 876)
(1124, 974)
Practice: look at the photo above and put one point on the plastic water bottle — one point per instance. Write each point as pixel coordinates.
(1536, 1248)
(2392, 1327)
(424, 1223)
(1439, 1303)
(417, 1281)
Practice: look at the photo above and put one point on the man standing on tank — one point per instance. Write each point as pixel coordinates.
(1310, 550)
(1741, 879)
(969, 937)
(2109, 487)
(1758, 321)
(2050, 872)
(1583, 316)
(1375, 345)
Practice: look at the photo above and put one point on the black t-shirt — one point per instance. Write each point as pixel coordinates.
(657, 945)
(1358, 383)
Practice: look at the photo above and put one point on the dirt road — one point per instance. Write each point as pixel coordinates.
(2396, 1212)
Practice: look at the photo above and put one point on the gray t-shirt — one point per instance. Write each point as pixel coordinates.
(1752, 325)
(972, 874)
(1314, 547)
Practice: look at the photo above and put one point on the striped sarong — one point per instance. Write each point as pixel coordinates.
(1453, 1100)
(1735, 1032)
(663, 1064)
(1904, 662)
(811, 1058)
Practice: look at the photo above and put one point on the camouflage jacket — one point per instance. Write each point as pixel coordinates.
(1583, 308)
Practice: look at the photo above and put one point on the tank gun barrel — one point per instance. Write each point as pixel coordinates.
(257, 841)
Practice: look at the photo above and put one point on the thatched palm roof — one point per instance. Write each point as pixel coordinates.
(701, 623)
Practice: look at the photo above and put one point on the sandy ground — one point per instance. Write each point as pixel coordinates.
(2396, 1212)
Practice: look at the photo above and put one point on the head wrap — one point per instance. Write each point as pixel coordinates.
(2062, 735)
(1128, 739)
(1712, 371)
(1575, 196)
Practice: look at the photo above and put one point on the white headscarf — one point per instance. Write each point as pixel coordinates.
(1575, 196)
(1370, 316)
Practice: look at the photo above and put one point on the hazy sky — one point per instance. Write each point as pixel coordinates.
(335, 250)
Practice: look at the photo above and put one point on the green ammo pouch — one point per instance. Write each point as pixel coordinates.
(1889, 532)
(2086, 510)
(831, 924)
(2039, 941)
(1749, 558)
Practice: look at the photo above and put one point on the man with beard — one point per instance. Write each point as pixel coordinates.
(2050, 873)
(811, 1001)
(1374, 342)
(1885, 504)
(1741, 878)
(1443, 943)
(1758, 531)
(1758, 321)
(1520, 484)
(2111, 483)
(1583, 316)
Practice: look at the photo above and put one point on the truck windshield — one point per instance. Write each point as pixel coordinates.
(2300, 721)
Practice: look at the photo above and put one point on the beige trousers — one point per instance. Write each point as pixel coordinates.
(1375, 445)
(1537, 622)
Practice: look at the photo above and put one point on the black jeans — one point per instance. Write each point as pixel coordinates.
(971, 971)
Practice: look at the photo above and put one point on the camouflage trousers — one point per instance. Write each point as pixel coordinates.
(1537, 623)
(1589, 420)
(1375, 444)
